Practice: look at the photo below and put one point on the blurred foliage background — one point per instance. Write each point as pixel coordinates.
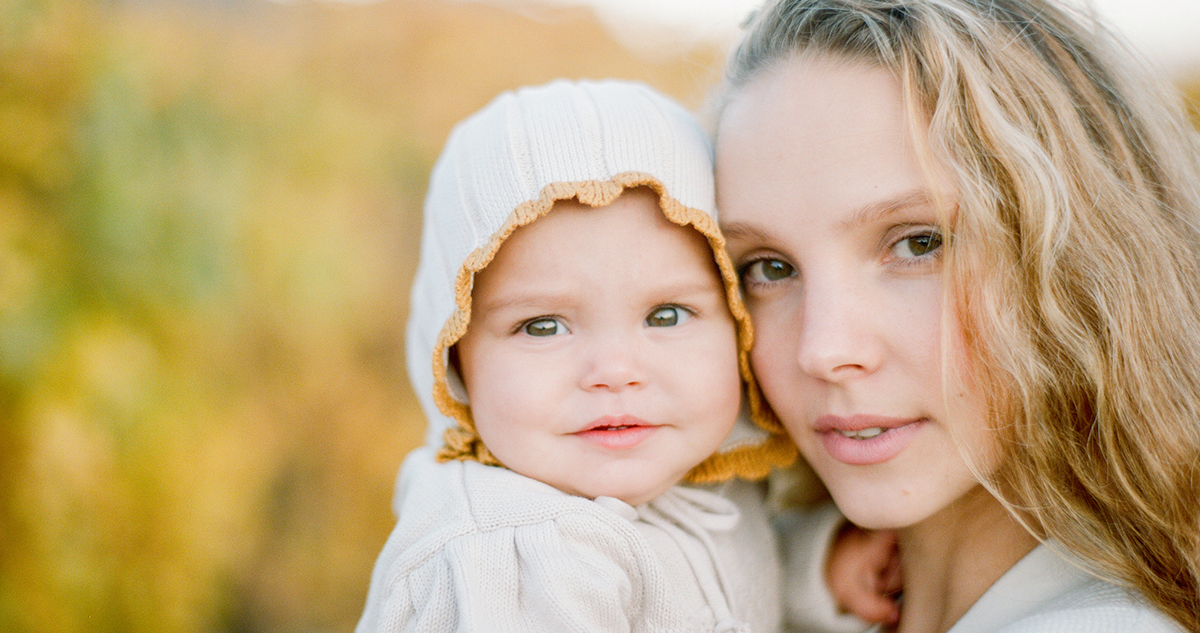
(209, 214)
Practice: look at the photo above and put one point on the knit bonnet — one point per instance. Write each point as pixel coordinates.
(505, 167)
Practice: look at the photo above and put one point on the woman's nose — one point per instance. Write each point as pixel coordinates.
(837, 340)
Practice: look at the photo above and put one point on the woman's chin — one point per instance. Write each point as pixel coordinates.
(872, 513)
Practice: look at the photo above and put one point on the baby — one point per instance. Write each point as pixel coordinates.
(579, 344)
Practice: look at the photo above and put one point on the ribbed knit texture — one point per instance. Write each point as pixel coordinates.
(481, 549)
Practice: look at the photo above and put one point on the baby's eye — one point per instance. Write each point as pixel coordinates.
(667, 316)
(919, 245)
(544, 326)
(767, 270)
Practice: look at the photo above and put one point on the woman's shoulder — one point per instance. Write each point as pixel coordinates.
(1099, 607)
(1095, 606)
(1047, 593)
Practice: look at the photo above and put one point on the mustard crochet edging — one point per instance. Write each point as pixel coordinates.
(463, 442)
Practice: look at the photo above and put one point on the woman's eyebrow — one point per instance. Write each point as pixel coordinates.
(873, 212)
(879, 210)
(745, 233)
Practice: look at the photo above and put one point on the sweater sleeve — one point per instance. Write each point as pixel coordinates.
(558, 575)
(806, 537)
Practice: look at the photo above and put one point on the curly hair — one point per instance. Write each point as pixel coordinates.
(1074, 263)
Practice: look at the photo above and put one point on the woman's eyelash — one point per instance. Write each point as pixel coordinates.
(917, 245)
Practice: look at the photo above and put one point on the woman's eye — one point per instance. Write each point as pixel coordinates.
(765, 271)
(544, 327)
(920, 245)
(667, 316)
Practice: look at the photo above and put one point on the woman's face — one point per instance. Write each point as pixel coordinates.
(833, 225)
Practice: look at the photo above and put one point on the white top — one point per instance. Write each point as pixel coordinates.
(1043, 593)
(481, 548)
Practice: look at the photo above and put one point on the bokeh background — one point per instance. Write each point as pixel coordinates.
(209, 213)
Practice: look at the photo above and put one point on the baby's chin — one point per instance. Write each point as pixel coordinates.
(634, 493)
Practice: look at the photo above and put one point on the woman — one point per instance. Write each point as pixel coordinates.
(970, 242)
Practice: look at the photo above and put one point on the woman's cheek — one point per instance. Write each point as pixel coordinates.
(773, 357)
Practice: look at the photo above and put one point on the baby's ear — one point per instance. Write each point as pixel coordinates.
(454, 381)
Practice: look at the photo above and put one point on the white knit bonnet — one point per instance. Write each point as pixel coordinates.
(504, 167)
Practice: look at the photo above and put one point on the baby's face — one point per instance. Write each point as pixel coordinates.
(601, 357)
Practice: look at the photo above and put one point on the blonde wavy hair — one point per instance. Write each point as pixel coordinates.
(1073, 263)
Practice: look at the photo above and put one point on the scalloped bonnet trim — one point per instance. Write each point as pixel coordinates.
(463, 442)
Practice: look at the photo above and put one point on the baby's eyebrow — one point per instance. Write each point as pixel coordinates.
(688, 288)
(665, 291)
(524, 300)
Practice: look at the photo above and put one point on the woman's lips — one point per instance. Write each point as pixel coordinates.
(862, 440)
(617, 432)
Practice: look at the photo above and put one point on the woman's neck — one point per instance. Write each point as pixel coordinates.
(953, 557)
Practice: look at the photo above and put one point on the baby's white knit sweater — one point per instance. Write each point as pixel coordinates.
(481, 548)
